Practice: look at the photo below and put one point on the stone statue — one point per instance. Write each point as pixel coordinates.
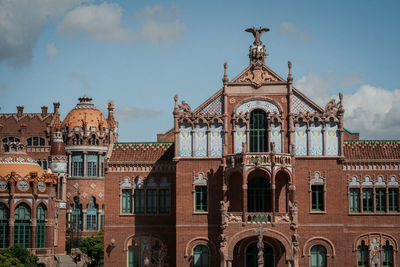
(257, 34)
(185, 107)
(331, 105)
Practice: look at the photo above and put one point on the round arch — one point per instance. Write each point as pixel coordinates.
(319, 240)
(285, 242)
(369, 236)
(199, 241)
(265, 103)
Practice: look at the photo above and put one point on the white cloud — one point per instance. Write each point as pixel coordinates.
(371, 111)
(22, 21)
(52, 50)
(104, 23)
(287, 27)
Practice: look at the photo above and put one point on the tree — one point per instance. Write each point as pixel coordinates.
(93, 246)
(17, 256)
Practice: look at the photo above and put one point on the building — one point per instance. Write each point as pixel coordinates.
(257, 175)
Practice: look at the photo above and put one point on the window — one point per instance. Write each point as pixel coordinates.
(354, 200)
(9, 139)
(318, 256)
(380, 199)
(367, 200)
(201, 199)
(91, 215)
(92, 164)
(93, 140)
(35, 141)
(387, 255)
(126, 200)
(164, 200)
(77, 140)
(76, 215)
(102, 166)
(40, 226)
(133, 260)
(151, 201)
(22, 227)
(258, 131)
(200, 256)
(102, 217)
(77, 164)
(4, 217)
(139, 200)
(393, 200)
(362, 255)
(258, 198)
(317, 198)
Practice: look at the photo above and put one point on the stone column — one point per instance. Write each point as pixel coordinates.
(98, 219)
(99, 166)
(69, 164)
(33, 221)
(84, 219)
(84, 164)
(323, 139)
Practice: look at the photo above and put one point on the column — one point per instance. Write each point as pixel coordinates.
(244, 190)
(99, 165)
(323, 139)
(98, 219)
(64, 188)
(33, 225)
(273, 189)
(308, 140)
(69, 163)
(84, 164)
(84, 219)
(11, 221)
(192, 136)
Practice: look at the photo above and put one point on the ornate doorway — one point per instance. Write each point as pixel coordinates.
(252, 255)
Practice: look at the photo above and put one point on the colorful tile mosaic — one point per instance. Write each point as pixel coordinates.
(215, 107)
(299, 105)
(151, 146)
(353, 144)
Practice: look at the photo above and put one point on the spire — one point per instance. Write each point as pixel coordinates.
(290, 77)
(110, 118)
(257, 52)
(225, 78)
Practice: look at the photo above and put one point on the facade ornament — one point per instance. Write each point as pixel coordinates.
(224, 214)
(331, 106)
(225, 78)
(260, 245)
(185, 107)
(290, 77)
(293, 212)
(257, 34)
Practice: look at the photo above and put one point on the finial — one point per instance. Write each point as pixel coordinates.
(257, 34)
(176, 107)
(290, 77)
(225, 78)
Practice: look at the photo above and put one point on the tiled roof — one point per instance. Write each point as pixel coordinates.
(149, 151)
(372, 149)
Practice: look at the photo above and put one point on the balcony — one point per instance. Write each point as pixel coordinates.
(259, 159)
(257, 217)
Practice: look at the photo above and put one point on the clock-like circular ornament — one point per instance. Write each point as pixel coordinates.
(23, 185)
(3, 185)
(41, 186)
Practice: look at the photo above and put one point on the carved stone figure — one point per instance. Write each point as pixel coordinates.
(257, 34)
(185, 107)
(331, 105)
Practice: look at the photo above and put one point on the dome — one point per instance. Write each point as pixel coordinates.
(85, 113)
(16, 160)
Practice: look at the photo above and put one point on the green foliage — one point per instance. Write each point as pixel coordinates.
(17, 256)
(93, 246)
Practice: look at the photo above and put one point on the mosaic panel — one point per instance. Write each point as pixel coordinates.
(240, 137)
(200, 141)
(215, 107)
(276, 136)
(300, 139)
(216, 140)
(331, 139)
(261, 104)
(185, 141)
(299, 105)
(316, 139)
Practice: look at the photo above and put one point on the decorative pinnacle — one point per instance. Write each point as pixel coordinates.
(257, 34)
(85, 99)
(290, 77)
(225, 78)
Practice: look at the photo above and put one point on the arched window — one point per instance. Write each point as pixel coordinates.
(258, 196)
(387, 255)
(91, 215)
(35, 141)
(22, 227)
(200, 256)
(258, 131)
(362, 255)
(76, 216)
(9, 139)
(40, 226)
(92, 159)
(318, 256)
(93, 140)
(4, 217)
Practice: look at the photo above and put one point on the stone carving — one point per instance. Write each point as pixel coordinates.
(224, 217)
(293, 211)
(375, 258)
(257, 75)
(257, 34)
(185, 107)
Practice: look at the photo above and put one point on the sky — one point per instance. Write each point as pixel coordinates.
(139, 54)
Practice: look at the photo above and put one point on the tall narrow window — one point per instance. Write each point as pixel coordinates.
(139, 201)
(102, 166)
(126, 200)
(151, 201)
(387, 255)
(354, 200)
(200, 256)
(362, 255)
(258, 198)
(367, 200)
(77, 164)
(44, 164)
(201, 199)
(393, 199)
(133, 256)
(4, 217)
(318, 256)
(317, 198)
(258, 131)
(380, 199)
(102, 217)
(22, 227)
(164, 200)
(40, 226)
(76, 215)
(91, 215)
(92, 164)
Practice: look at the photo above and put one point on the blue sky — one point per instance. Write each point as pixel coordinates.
(141, 53)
